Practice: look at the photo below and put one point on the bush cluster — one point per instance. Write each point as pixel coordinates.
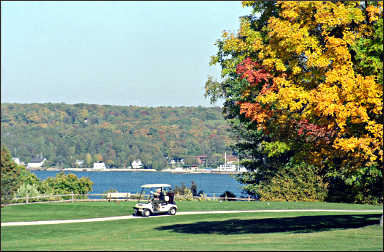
(294, 182)
(17, 182)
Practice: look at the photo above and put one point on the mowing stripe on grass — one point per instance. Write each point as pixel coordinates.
(28, 223)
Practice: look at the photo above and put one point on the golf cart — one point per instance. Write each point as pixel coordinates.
(155, 199)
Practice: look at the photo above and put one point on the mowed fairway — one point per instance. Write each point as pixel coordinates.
(234, 231)
(82, 210)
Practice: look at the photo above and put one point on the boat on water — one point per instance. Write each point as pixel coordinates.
(230, 166)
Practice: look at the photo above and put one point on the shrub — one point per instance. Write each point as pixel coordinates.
(227, 195)
(183, 189)
(69, 183)
(188, 194)
(294, 182)
(28, 190)
(180, 190)
(202, 197)
(185, 193)
(363, 187)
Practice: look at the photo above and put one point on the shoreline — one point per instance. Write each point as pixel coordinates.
(133, 170)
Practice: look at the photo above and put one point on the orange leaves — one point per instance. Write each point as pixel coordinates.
(255, 112)
(374, 12)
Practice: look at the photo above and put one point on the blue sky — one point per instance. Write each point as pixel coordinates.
(117, 53)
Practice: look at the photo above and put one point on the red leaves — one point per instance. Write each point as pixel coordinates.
(255, 74)
(247, 69)
(314, 132)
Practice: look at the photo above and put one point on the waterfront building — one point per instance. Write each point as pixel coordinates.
(176, 162)
(137, 164)
(99, 165)
(36, 163)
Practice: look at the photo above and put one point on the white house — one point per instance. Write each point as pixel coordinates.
(99, 165)
(137, 164)
(36, 163)
(176, 162)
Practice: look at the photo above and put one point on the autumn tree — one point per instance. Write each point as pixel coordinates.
(88, 159)
(98, 157)
(303, 80)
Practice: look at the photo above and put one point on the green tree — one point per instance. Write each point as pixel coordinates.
(10, 176)
(68, 183)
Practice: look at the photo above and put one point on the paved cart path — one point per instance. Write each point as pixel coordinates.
(27, 223)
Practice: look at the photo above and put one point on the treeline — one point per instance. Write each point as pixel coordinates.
(117, 135)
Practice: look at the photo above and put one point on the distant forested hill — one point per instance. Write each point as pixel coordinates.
(117, 135)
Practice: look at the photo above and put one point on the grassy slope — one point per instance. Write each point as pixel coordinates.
(79, 210)
(246, 231)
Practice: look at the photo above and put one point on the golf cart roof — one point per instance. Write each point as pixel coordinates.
(155, 185)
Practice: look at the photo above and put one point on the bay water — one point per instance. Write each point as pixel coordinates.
(210, 184)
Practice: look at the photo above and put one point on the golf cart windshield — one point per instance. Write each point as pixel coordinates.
(150, 191)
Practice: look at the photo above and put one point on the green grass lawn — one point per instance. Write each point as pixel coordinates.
(234, 232)
(79, 210)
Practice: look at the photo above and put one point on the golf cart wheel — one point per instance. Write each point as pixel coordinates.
(172, 211)
(135, 212)
(146, 213)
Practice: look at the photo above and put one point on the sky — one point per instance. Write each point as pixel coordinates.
(116, 53)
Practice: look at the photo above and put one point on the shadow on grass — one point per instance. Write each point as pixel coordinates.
(302, 224)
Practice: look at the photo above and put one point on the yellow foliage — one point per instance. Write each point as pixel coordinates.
(327, 87)
(374, 12)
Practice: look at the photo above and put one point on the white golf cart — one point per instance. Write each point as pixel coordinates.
(158, 201)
